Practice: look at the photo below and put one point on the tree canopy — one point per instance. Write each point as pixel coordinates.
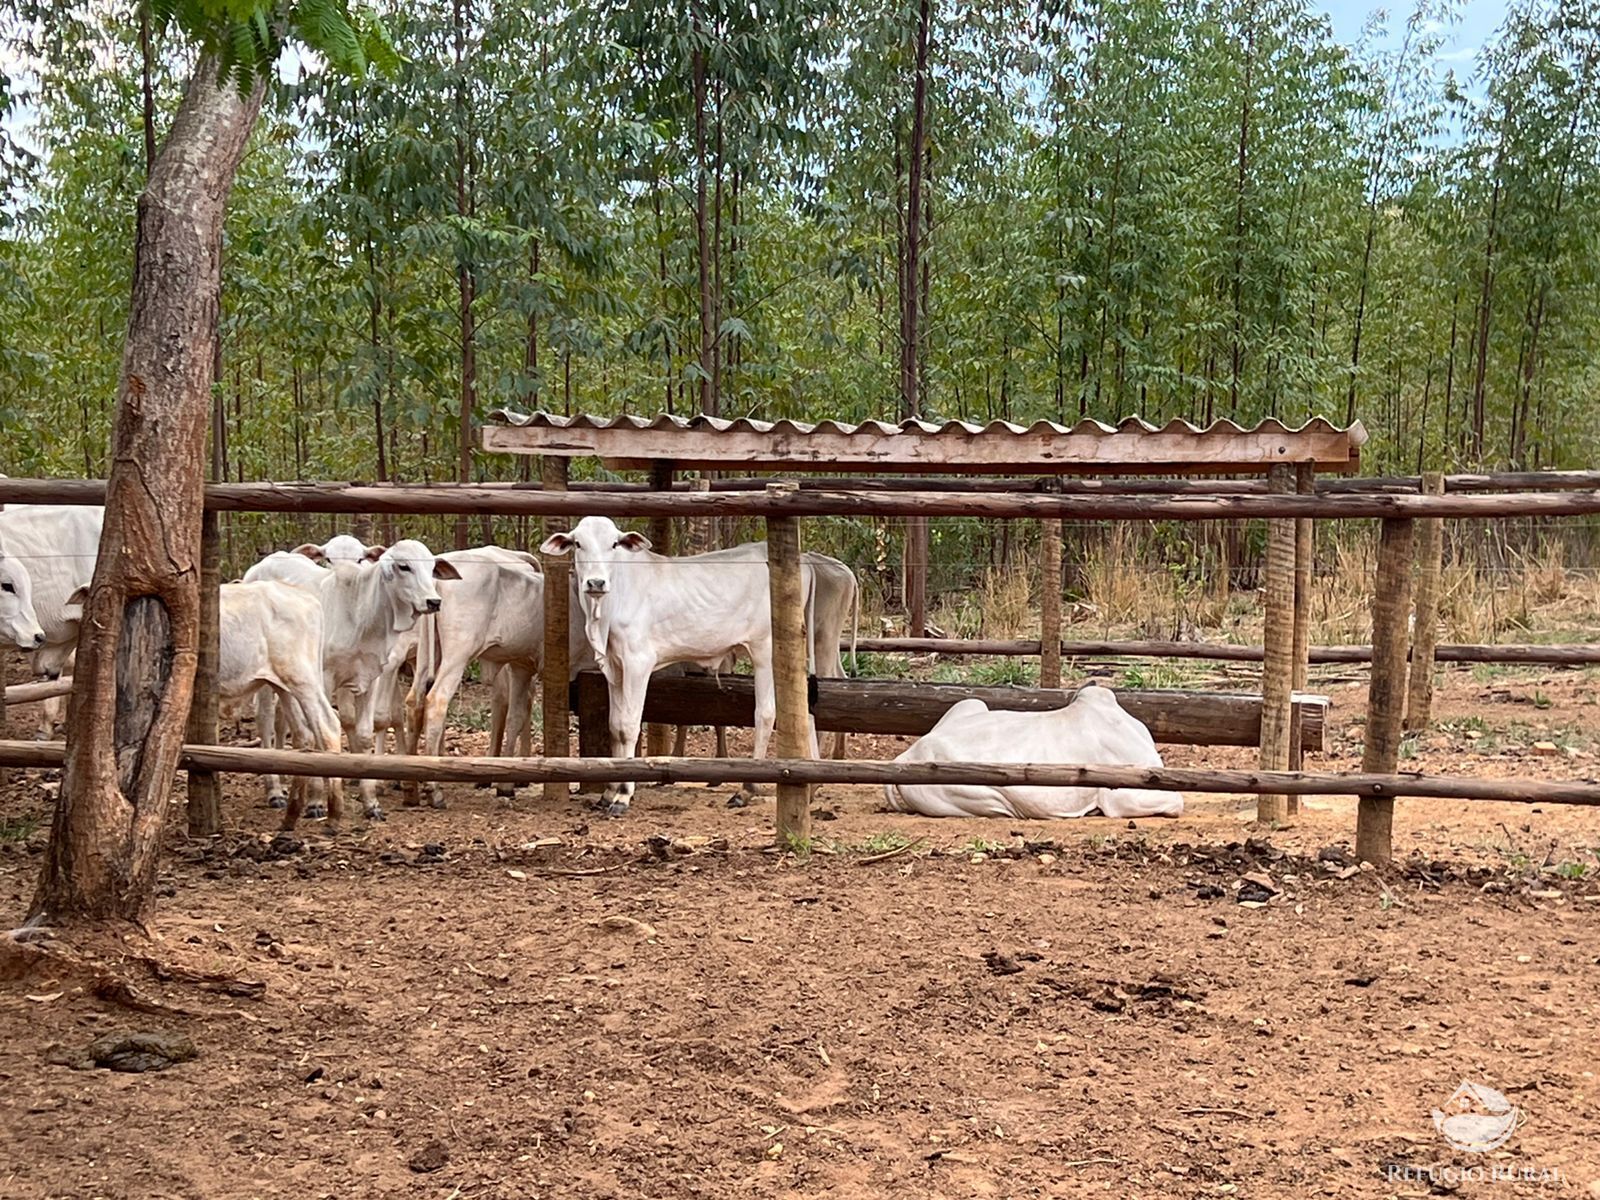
(1194, 208)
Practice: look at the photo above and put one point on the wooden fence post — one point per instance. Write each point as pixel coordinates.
(1391, 609)
(792, 734)
(1425, 625)
(1277, 643)
(657, 737)
(205, 791)
(553, 680)
(1050, 604)
(698, 534)
(1304, 557)
(1305, 483)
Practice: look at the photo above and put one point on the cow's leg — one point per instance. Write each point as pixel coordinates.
(838, 750)
(361, 743)
(52, 716)
(446, 679)
(293, 724)
(722, 742)
(267, 730)
(766, 716)
(516, 687)
(627, 713)
(322, 733)
(680, 742)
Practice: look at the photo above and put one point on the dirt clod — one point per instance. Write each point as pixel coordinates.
(432, 1157)
(1001, 964)
(132, 1053)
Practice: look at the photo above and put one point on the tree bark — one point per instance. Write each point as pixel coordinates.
(465, 277)
(136, 655)
(910, 332)
(147, 93)
(708, 340)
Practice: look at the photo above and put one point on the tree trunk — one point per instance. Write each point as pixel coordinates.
(136, 658)
(1485, 317)
(1236, 347)
(465, 278)
(910, 400)
(147, 94)
(708, 344)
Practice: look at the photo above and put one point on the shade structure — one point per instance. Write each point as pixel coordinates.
(1131, 447)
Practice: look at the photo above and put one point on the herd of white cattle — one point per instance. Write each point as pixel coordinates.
(319, 639)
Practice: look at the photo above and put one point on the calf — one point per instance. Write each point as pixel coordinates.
(270, 640)
(494, 613)
(641, 610)
(1092, 731)
(365, 611)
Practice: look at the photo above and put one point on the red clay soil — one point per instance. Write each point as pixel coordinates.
(1006, 1008)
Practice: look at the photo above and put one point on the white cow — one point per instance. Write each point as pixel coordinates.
(837, 600)
(18, 620)
(494, 613)
(641, 610)
(344, 548)
(365, 610)
(270, 640)
(300, 568)
(57, 545)
(831, 596)
(1093, 730)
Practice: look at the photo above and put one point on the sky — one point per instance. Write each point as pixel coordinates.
(1476, 23)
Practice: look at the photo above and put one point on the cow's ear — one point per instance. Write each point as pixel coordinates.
(79, 597)
(634, 541)
(313, 552)
(374, 553)
(557, 543)
(445, 569)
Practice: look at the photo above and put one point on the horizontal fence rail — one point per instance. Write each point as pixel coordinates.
(1575, 654)
(514, 501)
(244, 760)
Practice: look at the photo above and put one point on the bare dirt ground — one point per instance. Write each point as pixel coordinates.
(458, 1008)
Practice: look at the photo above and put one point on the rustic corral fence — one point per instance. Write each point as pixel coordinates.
(781, 507)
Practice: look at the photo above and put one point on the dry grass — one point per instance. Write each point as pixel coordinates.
(1128, 594)
(1115, 579)
(1006, 602)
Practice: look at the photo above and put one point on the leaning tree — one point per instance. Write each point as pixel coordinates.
(140, 632)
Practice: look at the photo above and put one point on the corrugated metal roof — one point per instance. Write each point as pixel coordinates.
(918, 445)
(505, 416)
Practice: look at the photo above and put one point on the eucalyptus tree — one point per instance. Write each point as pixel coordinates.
(136, 660)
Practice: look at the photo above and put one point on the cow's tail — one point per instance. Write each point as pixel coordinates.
(855, 626)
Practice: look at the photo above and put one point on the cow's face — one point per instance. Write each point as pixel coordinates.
(597, 547)
(17, 618)
(345, 548)
(408, 570)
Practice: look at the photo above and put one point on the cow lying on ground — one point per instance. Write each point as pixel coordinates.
(1091, 731)
(640, 611)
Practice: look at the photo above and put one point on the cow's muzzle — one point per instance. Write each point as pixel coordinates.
(595, 587)
(431, 605)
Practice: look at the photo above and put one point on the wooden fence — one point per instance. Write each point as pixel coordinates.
(781, 504)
